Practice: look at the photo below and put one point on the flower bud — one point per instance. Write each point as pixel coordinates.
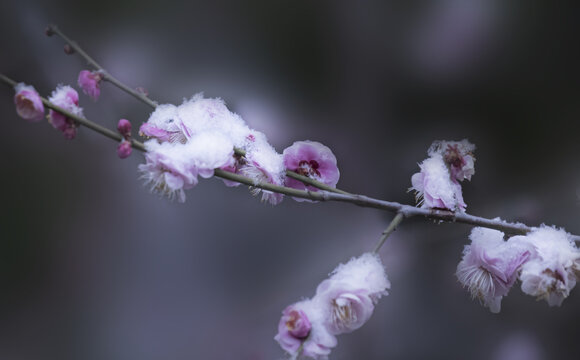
(68, 49)
(124, 127)
(124, 149)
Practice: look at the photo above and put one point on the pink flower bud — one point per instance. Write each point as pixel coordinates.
(124, 149)
(124, 127)
(28, 103)
(89, 82)
(48, 31)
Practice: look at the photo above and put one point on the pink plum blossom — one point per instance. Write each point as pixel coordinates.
(28, 103)
(293, 329)
(490, 266)
(124, 149)
(458, 156)
(434, 188)
(67, 98)
(313, 160)
(302, 331)
(89, 82)
(554, 266)
(342, 303)
(351, 292)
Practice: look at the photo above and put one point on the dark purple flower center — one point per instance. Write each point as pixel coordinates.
(453, 157)
(308, 168)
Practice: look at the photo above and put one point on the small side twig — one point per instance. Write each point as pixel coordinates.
(106, 76)
(388, 231)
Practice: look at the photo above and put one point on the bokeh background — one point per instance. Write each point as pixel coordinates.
(93, 266)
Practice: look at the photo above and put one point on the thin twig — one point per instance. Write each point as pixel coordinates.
(106, 76)
(392, 226)
(324, 195)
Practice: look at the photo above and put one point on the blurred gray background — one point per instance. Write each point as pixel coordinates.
(93, 266)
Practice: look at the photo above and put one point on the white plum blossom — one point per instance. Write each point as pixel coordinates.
(554, 266)
(490, 266)
(342, 303)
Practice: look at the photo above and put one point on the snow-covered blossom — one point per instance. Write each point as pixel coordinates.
(209, 151)
(208, 133)
(163, 125)
(124, 149)
(313, 160)
(263, 165)
(302, 331)
(28, 103)
(342, 303)
(434, 187)
(200, 114)
(67, 98)
(174, 167)
(351, 292)
(554, 266)
(490, 266)
(168, 169)
(458, 155)
(89, 81)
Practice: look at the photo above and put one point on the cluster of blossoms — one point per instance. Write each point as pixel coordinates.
(342, 304)
(546, 261)
(29, 106)
(200, 135)
(67, 98)
(437, 185)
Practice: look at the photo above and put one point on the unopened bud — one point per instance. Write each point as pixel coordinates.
(124, 149)
(124, 127)
(49, 31)
(68, 49)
